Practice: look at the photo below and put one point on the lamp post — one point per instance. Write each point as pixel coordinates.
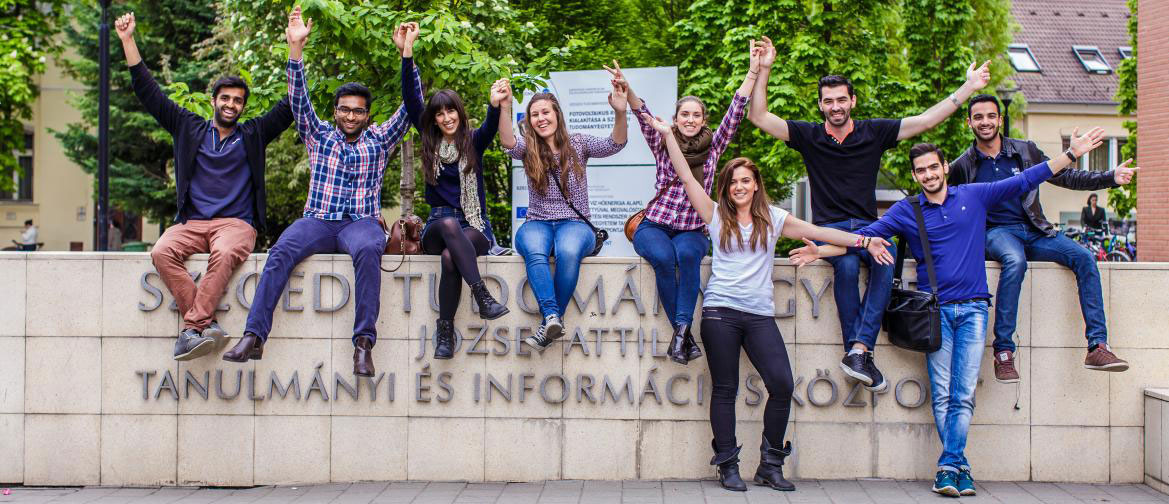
(103, 130)
(1005, 95)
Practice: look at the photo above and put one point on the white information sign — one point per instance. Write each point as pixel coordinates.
(621, 184)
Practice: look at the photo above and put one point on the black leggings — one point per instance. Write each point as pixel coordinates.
(458, 246)
(724, 330)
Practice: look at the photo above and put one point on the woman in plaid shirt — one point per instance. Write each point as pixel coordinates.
(672, 237)
(558, 189)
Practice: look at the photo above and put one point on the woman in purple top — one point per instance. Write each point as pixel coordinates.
(558, 189)
(672, 236)
(452, 166)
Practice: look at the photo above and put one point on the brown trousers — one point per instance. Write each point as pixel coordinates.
(228, 240)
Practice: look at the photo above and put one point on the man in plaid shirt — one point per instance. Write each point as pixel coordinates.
(347, 159)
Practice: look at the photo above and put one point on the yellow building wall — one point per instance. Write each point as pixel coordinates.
(1047, 129)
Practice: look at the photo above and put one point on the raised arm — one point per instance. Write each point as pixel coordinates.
(165, 111)
(730, 122)
(506, 134)
(304, 116)
(694, 190)
(404, 38)
(976, 79)
(620, 103)
(125, 28)
(490, 126)
(759, 115)
(653, 139)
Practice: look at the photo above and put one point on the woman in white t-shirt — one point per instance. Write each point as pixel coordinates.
(738, 307)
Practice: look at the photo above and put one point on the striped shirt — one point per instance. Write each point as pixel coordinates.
(551, 205)
(673, 207)
(346, 177)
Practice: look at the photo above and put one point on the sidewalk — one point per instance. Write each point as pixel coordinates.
(589, 492)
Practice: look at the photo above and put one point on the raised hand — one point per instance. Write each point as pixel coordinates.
(412, 32)
(619, 98)
(658, 124)
(979, 77)
(1123, 174)
(501, 92)
(767, 54)
(618, 75)
(877, 249)
(125, 26)
(756, 57)
(298, 28)
(400, 37)
(804, 255)
(1081, 145)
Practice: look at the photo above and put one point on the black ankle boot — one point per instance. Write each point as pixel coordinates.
(727, 465)
(677, 350)
(444, 339)
(770, 472)
(691, 347)
(489, 308)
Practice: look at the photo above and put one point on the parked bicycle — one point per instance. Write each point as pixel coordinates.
(1104, 246)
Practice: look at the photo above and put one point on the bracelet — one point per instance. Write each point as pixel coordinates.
(1070, 155)
(954, 100)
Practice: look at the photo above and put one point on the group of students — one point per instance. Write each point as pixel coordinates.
(219, 171)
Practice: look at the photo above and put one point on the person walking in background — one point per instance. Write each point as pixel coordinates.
(1092, 217)
(843, 157)
(558, 206)
(347, 160)
(1017, 232)
(954, 219)
(219, 183)
(452, 167)
(672, 237)
(738, 306)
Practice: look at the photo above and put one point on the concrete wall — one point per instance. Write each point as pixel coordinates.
(79, 335)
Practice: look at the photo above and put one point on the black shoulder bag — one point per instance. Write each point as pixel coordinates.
(600, 234)
(914, 318)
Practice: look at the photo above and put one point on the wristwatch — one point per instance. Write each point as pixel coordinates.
(1070, 155)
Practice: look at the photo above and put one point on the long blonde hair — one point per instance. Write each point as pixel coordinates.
(538, 158)
(728, 213)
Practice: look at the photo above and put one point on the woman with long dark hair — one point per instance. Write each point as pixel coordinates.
(558, 200)
(671, 236)
(738, 306)
(452, 166)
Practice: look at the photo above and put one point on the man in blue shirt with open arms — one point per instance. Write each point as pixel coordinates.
(955, 222)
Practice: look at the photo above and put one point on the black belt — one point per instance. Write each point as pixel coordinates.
(971, 300)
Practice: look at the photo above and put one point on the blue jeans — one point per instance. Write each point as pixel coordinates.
(1014, 245)
(953, 371)
(363, 240)
(676, 257)
(570, 241)
(860, 318)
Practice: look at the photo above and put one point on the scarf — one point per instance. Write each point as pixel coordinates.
(696, 149)
(468, 184)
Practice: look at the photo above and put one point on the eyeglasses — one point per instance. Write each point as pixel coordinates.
(359, 112)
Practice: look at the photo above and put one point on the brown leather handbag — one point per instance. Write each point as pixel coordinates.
(403, 237)
(635, 220)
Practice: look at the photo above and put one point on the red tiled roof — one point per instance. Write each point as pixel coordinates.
(1050, 28)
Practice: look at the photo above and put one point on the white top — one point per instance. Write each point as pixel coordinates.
(741, 279)
(29, 236)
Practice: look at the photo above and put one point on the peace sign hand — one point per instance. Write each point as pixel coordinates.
(1123, 174)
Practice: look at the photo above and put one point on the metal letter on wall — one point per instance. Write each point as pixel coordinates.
(155, 292)
(240, 294)
(289, 291)
(344, 282)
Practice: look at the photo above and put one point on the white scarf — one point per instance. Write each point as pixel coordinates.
(468, 184)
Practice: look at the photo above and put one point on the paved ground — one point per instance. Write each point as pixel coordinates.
(681, 492)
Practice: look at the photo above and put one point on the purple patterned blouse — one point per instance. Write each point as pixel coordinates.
(551, 205)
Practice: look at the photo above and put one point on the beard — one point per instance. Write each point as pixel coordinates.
(223, 121)
(941, 185)
(990, 136)
(838, 123)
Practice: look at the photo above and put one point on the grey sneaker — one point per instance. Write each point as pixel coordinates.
(217, 333)
(548, 332)
(191, 345)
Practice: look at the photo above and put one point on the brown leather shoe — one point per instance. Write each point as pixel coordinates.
(363, 356)
(1004, 367)
(1102, 359)
(249, 347)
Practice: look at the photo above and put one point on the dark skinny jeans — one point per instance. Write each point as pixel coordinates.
(724, 331)
(448, 234)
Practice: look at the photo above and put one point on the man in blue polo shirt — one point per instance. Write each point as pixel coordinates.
(955, 222)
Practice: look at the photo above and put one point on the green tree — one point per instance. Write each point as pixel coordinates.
(141, 152)
(1123, 199)
(28, 30)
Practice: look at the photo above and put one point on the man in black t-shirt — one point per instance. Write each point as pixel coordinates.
(843, 156)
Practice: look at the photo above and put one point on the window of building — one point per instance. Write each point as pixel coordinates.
(1125, 52)
(1092, 59)
(1022, 58)
(22, 181)
(1102, 158)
